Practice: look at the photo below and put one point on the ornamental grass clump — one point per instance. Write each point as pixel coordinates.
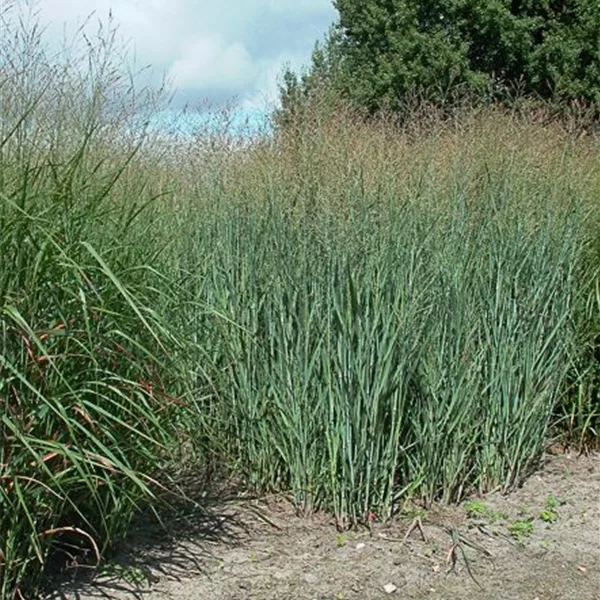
(93, 395)
(406, 324)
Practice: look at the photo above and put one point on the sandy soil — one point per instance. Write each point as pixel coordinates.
(500, 546)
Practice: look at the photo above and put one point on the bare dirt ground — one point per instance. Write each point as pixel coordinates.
(542, 542)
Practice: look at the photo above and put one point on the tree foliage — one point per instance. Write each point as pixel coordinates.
(382, 51)
(322, 82)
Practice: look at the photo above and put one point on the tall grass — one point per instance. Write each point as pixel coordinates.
(347, 312)
(418, 339)
(93, 377)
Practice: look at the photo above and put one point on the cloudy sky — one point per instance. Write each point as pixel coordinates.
(211, 50)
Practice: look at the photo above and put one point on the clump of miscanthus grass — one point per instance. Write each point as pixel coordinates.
(95, 381)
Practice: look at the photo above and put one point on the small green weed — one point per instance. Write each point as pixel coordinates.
(478, 509)
(521, 529)
(549, 514)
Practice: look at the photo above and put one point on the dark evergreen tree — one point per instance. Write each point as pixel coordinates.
(382, 51)
(321, 83)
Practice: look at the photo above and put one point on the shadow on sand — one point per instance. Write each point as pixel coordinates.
(178, 546)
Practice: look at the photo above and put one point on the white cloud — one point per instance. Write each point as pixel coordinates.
(266, 84)
(210, 50)
(209, 63)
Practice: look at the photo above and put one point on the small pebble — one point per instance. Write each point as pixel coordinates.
(389, 588)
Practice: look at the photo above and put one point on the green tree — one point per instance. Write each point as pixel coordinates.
(385, 50)
(321, 83)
